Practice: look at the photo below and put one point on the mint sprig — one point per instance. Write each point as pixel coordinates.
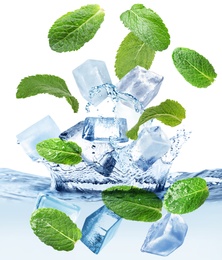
(132, 52)
(71, 31)
(169, 112)
(147, 26)
(59, 151)
(46, 84)
(194, 67)
(55, 229)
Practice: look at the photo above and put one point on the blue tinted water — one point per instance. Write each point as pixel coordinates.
(16, 185)
(18, 193)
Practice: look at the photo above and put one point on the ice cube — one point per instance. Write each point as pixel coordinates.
(150, 174)
(92, 73)
(73, 133)
(43, 129)
(152, 144)
(99, 228)
(154, 178)
(141, 83)
(104, 129)
(99, 155)
(106, 164)
(49, 201)
(165, 235)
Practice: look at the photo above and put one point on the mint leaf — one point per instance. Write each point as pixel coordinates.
(59, 151)
(147, 26)
(133, 203)
(185, 196)
(169, 112)
(71, 31)
(195, 68)
(50, 84)
(55, 228)
(132, 52)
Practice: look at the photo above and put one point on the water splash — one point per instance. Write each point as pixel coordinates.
(83, 181)
(16, 185)
(114, 97)
(85, 177)
(21, 186)
(177, 141)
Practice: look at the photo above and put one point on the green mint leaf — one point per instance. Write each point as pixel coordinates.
(71, 31)
(185, 196)
(195, 68)
(147, 26)
(132, 52)
(55, 229)
(169, 112)
(59, 151)
(42, 84)
(73, 102)
(133, 203)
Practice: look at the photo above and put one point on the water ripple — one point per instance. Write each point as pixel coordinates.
(16, 185)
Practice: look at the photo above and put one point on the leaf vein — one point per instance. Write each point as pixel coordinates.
(80, 27)
(60, 232)
(193, 66)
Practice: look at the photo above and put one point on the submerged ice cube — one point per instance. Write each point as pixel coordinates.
(99, 228)
(43, 129)
(165, 235)
(49, 201)
(105, 128)
(152, 144)
(140, 83)
(98, 155)
(90, 74)
(106, 165)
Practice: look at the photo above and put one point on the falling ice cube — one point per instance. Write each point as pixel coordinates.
(49, 201)
(99, 228)
(43, 129)
(152, 144)
(165, 235)
(98, 155)
(140, 83)
(105, 128)
(90, 74)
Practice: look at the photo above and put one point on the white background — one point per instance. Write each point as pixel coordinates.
(24, 51)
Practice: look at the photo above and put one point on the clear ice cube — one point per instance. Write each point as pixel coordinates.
(98, 155)
(99, 228)
(165, 235)
(43, 129)
(105, 128)
(141, 83)
(152, 144)
(106, 164)
(49, 201)
(90, 74)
